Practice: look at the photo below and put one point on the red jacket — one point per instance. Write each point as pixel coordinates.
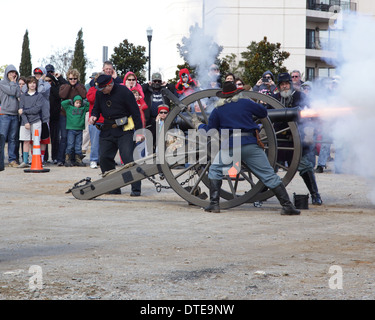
(136, 84)
(91, 99)
(185, 89)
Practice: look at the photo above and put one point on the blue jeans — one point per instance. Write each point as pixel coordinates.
(9, 126)
(325, 150)
(255, 158)
(94, 139)
(63, 135)
(74, 144)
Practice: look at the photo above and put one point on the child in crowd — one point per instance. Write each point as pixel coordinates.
(75, 124)
(31, 104)
(142, 109)
(141, 104)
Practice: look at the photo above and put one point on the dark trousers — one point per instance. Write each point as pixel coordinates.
(63, 133)
(2, 145)
(55, 138)
(109, 145)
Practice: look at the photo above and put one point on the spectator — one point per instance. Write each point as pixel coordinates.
(214, 77)
(229, 77)
(94, 129)
(142, 109)
(9, 124)
(154, 98)
(239, 83)
(55, 80)
(68, 91)
(31, 105)
(131, 81)
(56, 132)
(186, 85)
(44, 89)
(296, 80)
(325, 146)
(109, 70)
(21, 83)
(75, 124)
(266, 84)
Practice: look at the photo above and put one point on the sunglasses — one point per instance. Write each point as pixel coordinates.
(130, 79)
(48, 80)
(295, 76)
(163, 112)
(156, 81)
(73, 78)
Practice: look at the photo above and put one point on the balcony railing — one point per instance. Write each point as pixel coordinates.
(326, 5)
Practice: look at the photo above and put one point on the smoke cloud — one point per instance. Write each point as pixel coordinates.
(353, 132)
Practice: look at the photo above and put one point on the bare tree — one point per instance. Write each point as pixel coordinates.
(62, 60)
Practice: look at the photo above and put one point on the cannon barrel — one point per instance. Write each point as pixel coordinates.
(275, 115)
(284, 115)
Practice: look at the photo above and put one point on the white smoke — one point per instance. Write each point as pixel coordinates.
(353, 133)
(202, 46)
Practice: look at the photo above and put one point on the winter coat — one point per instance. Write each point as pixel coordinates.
(31, 106)
(10, 92)
(137, 85)
(91, 99)
(185, 89)
(263, 88)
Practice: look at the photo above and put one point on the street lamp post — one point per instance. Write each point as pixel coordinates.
(149, 38)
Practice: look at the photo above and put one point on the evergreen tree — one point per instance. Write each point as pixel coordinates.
(25, 65)
(79, 59)
(128, 57)
(260, 57)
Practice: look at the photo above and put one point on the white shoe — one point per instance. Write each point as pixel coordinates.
(93, 165)
(23, 165)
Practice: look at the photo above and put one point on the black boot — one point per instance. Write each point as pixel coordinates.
(79, 162)
(283, 197)
(68, 160)
(215, 186)
(310, 182)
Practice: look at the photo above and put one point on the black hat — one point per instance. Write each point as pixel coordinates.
(50, 68)
(103, 80)
(229, 90)
(284, 77)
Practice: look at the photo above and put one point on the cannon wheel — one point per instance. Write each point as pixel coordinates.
(191, 182)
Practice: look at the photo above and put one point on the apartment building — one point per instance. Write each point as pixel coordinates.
(302, 27)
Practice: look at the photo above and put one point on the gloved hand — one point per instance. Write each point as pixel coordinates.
(186, 85)
(195, 121)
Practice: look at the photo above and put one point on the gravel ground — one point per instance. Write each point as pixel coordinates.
(158, 247)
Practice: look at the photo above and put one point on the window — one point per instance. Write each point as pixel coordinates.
(310, 39)
(310, 74)
(326, 72)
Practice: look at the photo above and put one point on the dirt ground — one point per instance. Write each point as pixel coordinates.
(158, 247)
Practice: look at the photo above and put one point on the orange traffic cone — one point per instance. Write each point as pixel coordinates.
(36, 160)
(234, 172)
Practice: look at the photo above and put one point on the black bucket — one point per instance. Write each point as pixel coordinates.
(301, 201)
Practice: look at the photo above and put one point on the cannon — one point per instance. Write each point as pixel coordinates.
(188, 177)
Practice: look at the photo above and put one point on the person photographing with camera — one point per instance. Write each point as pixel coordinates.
(266, 84)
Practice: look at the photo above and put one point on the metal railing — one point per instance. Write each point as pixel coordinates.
(326, 5)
